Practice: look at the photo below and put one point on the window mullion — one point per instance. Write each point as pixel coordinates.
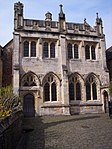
(90, 53)
(29, 48)
(50, 92)
(73, 51)
(49, 51)
(91, 92)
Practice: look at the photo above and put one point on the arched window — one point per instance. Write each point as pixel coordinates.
(33, 49)
(52, 50)
(71, 91)
(74, 88)
(76, 54)
(93, 56)
(88, 91)
(91, 88)
(26, 49)
(50, 88)
(78, 91)
(87, 52)
(29, 80)
(45, 49)
(70, 51)
(46, 92)
(94, 91)
(53, 90)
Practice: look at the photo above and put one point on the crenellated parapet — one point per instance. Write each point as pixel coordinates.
(60, 26)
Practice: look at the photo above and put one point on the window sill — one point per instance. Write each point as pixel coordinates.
(74, 59)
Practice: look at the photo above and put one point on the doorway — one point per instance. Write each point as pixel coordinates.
(105, 97)
(28, 106)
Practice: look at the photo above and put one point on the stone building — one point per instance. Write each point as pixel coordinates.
(7, 63)
(109, 61)
(1, 65)
(59, 67)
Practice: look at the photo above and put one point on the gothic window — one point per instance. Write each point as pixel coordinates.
(49, 50)
(78, 91)
(50, 88)
(29, 80)
(71, 91)
(93, 56)
(74, 88)
(26, 49)
(45, 49)
(46, 92)
(29, 49)
(91, 88)
(70, 51)
(52, 50)
(76, 51)
(33, 49)
(94, 91)
(87, 52)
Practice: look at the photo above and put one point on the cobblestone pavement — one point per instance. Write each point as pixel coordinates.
(92, 131)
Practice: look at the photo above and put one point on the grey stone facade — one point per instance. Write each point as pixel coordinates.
(60, 66)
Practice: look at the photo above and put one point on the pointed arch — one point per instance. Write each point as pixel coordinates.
(51, 87)
(30, 79)
(75, 86)
(92, 83)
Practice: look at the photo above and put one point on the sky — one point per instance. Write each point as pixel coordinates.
(75, 11)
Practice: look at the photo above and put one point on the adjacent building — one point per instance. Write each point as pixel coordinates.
(1, 66)
(59, 67)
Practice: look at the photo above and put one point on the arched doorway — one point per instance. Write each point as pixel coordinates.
(105, 97)
(28, 106)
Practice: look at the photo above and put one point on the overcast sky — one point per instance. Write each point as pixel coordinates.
(75, 11)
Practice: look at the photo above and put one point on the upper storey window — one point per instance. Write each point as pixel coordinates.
(49, 50)
(73, 52)
(29, 49)
(90, 53)
(26, 49)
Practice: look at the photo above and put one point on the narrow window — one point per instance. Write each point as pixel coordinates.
(53, 91)
(71, 91)
(88, 91)
(70, 51)
(52, 50)
(45, 49)
(87, 52)
(76, 55)
(78, 91)
(33, 49)
(94, 91)
(93, 53)
(46, 92)
(26, 49)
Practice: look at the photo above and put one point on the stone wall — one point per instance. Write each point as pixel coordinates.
(10, 131)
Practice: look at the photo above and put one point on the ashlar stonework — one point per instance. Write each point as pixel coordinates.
(59, 67)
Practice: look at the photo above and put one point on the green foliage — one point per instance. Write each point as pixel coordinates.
(110, 88)
(9, 102)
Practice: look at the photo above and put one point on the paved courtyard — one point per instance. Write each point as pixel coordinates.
(92, 131)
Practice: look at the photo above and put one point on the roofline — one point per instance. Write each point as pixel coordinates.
(8, 43)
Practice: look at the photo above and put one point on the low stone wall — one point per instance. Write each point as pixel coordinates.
(11, 131)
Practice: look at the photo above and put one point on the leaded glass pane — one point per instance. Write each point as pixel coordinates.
(53, 92)
(70, 51)
(88, 91)
(46, 92)
(94, 91)
(78, 91)
(93, 53)
(71, 91)
(33, 49)
(26, 49)
(52, 50)
(76, 55)
(45, 49)
(87, 52)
